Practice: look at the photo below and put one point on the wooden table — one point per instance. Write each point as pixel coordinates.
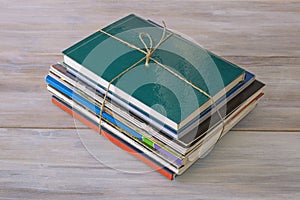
(41, 154)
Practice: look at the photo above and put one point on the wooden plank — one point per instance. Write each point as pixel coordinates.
(27, 102)
(247, 28)
(54, 164)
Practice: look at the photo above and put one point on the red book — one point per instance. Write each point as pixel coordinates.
(125, 146)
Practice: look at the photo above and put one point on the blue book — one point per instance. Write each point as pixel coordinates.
(171, 155)
(96, 109)
(77, 98)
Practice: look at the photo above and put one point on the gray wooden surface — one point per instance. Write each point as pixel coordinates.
(42, 156)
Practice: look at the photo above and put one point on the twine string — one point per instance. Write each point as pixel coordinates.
(149, 50)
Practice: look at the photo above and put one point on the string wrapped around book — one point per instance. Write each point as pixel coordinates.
(148, 52)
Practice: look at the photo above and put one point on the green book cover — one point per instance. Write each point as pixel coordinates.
(152, 89)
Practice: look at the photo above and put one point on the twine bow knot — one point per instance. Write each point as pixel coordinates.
(149, 50)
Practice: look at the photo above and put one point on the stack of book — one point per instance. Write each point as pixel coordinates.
(154, 93)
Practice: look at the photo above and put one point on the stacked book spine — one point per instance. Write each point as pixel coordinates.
(153, 93)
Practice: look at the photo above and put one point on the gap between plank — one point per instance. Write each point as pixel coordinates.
(86, 128)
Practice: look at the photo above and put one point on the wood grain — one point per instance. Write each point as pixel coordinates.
(42, 156)
(53, 164)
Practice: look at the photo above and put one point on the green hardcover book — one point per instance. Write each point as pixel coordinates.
(152, 89)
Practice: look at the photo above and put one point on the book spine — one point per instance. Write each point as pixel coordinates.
(123, 146)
